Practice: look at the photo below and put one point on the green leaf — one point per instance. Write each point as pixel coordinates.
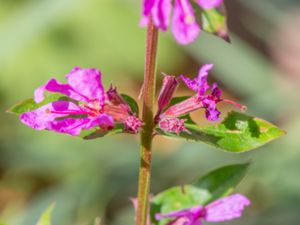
(214, 22)
(30, 104)
(45, 219)
(177, 198)
(132, 103)
(220, 182)
(236, 133)
(176, 100)
(97, 133)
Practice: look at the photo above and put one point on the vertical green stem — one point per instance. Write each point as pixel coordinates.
(148, 119)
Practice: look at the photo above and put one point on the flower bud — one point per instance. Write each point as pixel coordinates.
(175, 125)
(170, 83)
(116, 99)
(133, 124)
(182, 108)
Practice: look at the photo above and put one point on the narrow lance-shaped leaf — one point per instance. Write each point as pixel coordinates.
(213, 21)
(236, 133)
(98, 133)
(214, 185)
(132, 103)
(221, 182)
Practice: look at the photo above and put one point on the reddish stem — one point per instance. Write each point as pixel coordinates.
(148, 119)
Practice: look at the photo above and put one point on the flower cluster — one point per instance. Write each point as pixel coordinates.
(184, 25)
(87, 105)
(206, 97)
(224, 209)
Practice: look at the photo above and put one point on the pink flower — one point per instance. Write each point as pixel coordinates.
(202, 99)
(206, 97)
(87, 105)
(224, 209)
(184, 25)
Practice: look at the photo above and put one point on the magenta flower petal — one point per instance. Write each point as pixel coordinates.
(69, 126)
(227, 208)
(88, 83)
(104, 121)
(191, 84)
(54, 86)
(42, 117)
(216, 91)
(202, 79)
(161, 13)
(184, 25)
(180, 213)
(209, 4)
(200, 83)
(147, 7)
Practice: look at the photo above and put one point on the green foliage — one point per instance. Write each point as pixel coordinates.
(97, 133)
(221, 181)
(217, 183)
(214, 22)
(45, 219)
(132, 103)
(236, 133)
(177, 198)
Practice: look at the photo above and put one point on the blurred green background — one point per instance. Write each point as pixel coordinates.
(40, 39)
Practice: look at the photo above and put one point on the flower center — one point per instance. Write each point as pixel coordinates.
(93, 108)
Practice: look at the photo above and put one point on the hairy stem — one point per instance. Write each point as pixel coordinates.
(148, 119)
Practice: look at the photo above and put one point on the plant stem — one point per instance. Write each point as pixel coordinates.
(148, 119)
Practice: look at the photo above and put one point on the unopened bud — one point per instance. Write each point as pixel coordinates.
(182, 108)
(170, 83)
(174, 125)
(116, 99)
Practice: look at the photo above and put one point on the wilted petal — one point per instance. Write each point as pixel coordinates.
(184, 25)
(191, 84)
(202, 79)
(227, 208)
(88, 83)
(212, 114)
(216, 92)
(116, 99)
(211, 111)
(209, 4)
(54, 86)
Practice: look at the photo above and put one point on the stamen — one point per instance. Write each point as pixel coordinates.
(243, 108)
